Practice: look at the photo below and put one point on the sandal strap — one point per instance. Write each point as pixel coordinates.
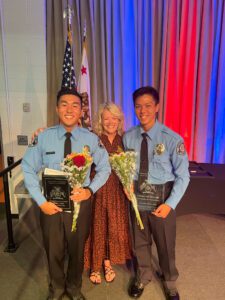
(109, 273)
(109, 270)
(95, 277)
(95, 273)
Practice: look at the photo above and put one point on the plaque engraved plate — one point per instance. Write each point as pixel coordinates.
(150, 196)
(56, 189)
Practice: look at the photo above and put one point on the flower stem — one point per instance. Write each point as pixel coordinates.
(75, 216)
(135, 206)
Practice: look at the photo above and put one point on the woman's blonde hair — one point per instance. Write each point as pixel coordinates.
(115, 111)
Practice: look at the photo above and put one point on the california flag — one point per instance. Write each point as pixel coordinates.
(84, 89)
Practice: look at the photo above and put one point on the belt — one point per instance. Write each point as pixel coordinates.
(152, 195)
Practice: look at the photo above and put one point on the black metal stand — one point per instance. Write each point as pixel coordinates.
(11, 247)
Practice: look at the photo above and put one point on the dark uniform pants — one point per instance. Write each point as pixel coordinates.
(59, 240)
(163, 232)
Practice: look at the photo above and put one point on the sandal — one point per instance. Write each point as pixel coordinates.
(109, 273)
(95, 277)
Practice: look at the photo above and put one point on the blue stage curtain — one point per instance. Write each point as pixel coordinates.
(176, 46)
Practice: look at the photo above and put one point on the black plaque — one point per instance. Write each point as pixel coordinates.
(56, 189)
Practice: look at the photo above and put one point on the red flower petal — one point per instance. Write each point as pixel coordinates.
(79, 161)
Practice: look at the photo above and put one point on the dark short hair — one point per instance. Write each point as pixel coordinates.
(146, 90)
(63, 92)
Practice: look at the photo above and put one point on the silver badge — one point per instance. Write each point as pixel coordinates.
(87, 148)
(159, 149)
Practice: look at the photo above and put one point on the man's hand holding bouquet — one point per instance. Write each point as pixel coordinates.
(76, 166)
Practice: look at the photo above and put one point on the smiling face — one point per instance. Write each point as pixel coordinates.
(146, 109)
(110, 122)
(69, 111)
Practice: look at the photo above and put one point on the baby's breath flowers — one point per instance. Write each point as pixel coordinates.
(123, 164)
(76, 166)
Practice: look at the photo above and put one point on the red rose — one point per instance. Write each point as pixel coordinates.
(79, 160)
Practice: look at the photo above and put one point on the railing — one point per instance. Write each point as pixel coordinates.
(11, 247)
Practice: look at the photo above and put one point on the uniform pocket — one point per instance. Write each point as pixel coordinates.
(160, 165)
(163, 158)
(51, 161)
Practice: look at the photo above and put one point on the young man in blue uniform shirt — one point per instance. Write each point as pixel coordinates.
(56, 224)
(166, 178)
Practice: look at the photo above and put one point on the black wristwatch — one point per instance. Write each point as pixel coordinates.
(88, 188)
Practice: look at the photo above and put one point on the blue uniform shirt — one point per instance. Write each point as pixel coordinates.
(168, 160)
(49, 153)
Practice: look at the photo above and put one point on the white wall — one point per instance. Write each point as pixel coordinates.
(23, 71)
(22, 76)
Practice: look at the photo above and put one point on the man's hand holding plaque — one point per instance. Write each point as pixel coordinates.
(50, 208)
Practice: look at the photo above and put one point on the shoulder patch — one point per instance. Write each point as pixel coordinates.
(100, 143)
(180, 148)
(34, 142)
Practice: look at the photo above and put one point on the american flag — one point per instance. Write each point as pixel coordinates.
(68, 73)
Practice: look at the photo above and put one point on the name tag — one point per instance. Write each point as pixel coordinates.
(51, 152)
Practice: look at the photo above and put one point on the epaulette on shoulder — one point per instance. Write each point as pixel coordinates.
(87, 132)
(47, 130)
(171, 133)
(51, 128)
(134, 128)
(84, 130)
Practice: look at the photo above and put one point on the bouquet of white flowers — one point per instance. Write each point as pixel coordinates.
(76, 166)
(123, 164)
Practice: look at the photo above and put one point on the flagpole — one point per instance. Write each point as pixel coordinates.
(84, 83)
(69, 78)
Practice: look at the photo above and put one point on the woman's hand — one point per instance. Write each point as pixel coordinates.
(36, 133)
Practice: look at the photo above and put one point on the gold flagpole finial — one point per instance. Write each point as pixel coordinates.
(68, 13)
(85, 31)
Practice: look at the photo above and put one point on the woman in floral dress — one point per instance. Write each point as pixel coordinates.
(109, 241)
